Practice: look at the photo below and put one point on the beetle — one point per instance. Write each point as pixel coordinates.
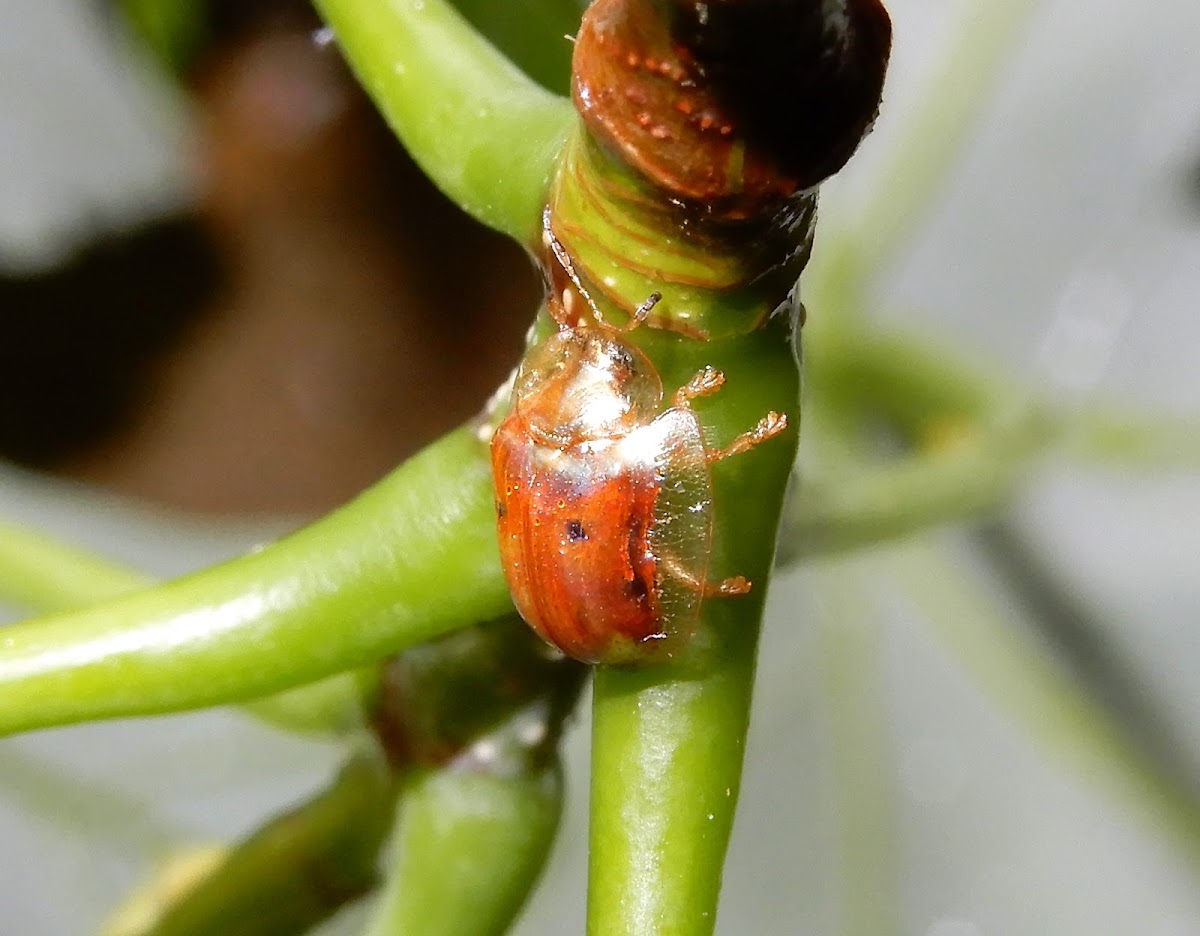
(604, 503)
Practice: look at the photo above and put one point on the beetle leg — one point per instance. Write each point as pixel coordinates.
(704, 383)
(770, 425)
(729, 587)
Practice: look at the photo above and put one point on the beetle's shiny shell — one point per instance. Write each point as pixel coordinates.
(603, 508)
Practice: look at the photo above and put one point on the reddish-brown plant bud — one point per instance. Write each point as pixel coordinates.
(732, 103)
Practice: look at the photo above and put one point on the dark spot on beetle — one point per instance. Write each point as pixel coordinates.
(501, 510)
(575, 531)
(636, 585)
(622, 360)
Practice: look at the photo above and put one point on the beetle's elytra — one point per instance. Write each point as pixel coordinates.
(603, 497)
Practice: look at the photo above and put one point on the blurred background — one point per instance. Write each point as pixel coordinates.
(228, 302)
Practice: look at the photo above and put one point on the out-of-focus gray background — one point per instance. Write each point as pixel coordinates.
(1074, 212)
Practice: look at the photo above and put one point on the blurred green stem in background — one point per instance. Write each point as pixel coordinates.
(1020, 675)
(43, 575)
(294, 872)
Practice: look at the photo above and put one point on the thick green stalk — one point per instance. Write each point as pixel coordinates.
(666, 770)
(486, 134)
(668, 740)
(413, 557)
(468, 847)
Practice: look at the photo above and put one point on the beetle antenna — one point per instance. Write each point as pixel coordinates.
(642, 312)
(564, 260)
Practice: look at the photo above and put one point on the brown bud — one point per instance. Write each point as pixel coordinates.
(732, 103)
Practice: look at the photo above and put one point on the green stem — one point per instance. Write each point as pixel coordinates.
(468, 847)
(1058, 712)
(994, 432)
(335, 706)
(668, 740)
(862, 506)
(666, 770)
(534, 34)
(905, 378)
(973, 437)
(1161, 443)
(413, 557)
(46, 575)
(43, 574)
(173, 29)
(476, 718)
(298, 869)
(486, 134)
